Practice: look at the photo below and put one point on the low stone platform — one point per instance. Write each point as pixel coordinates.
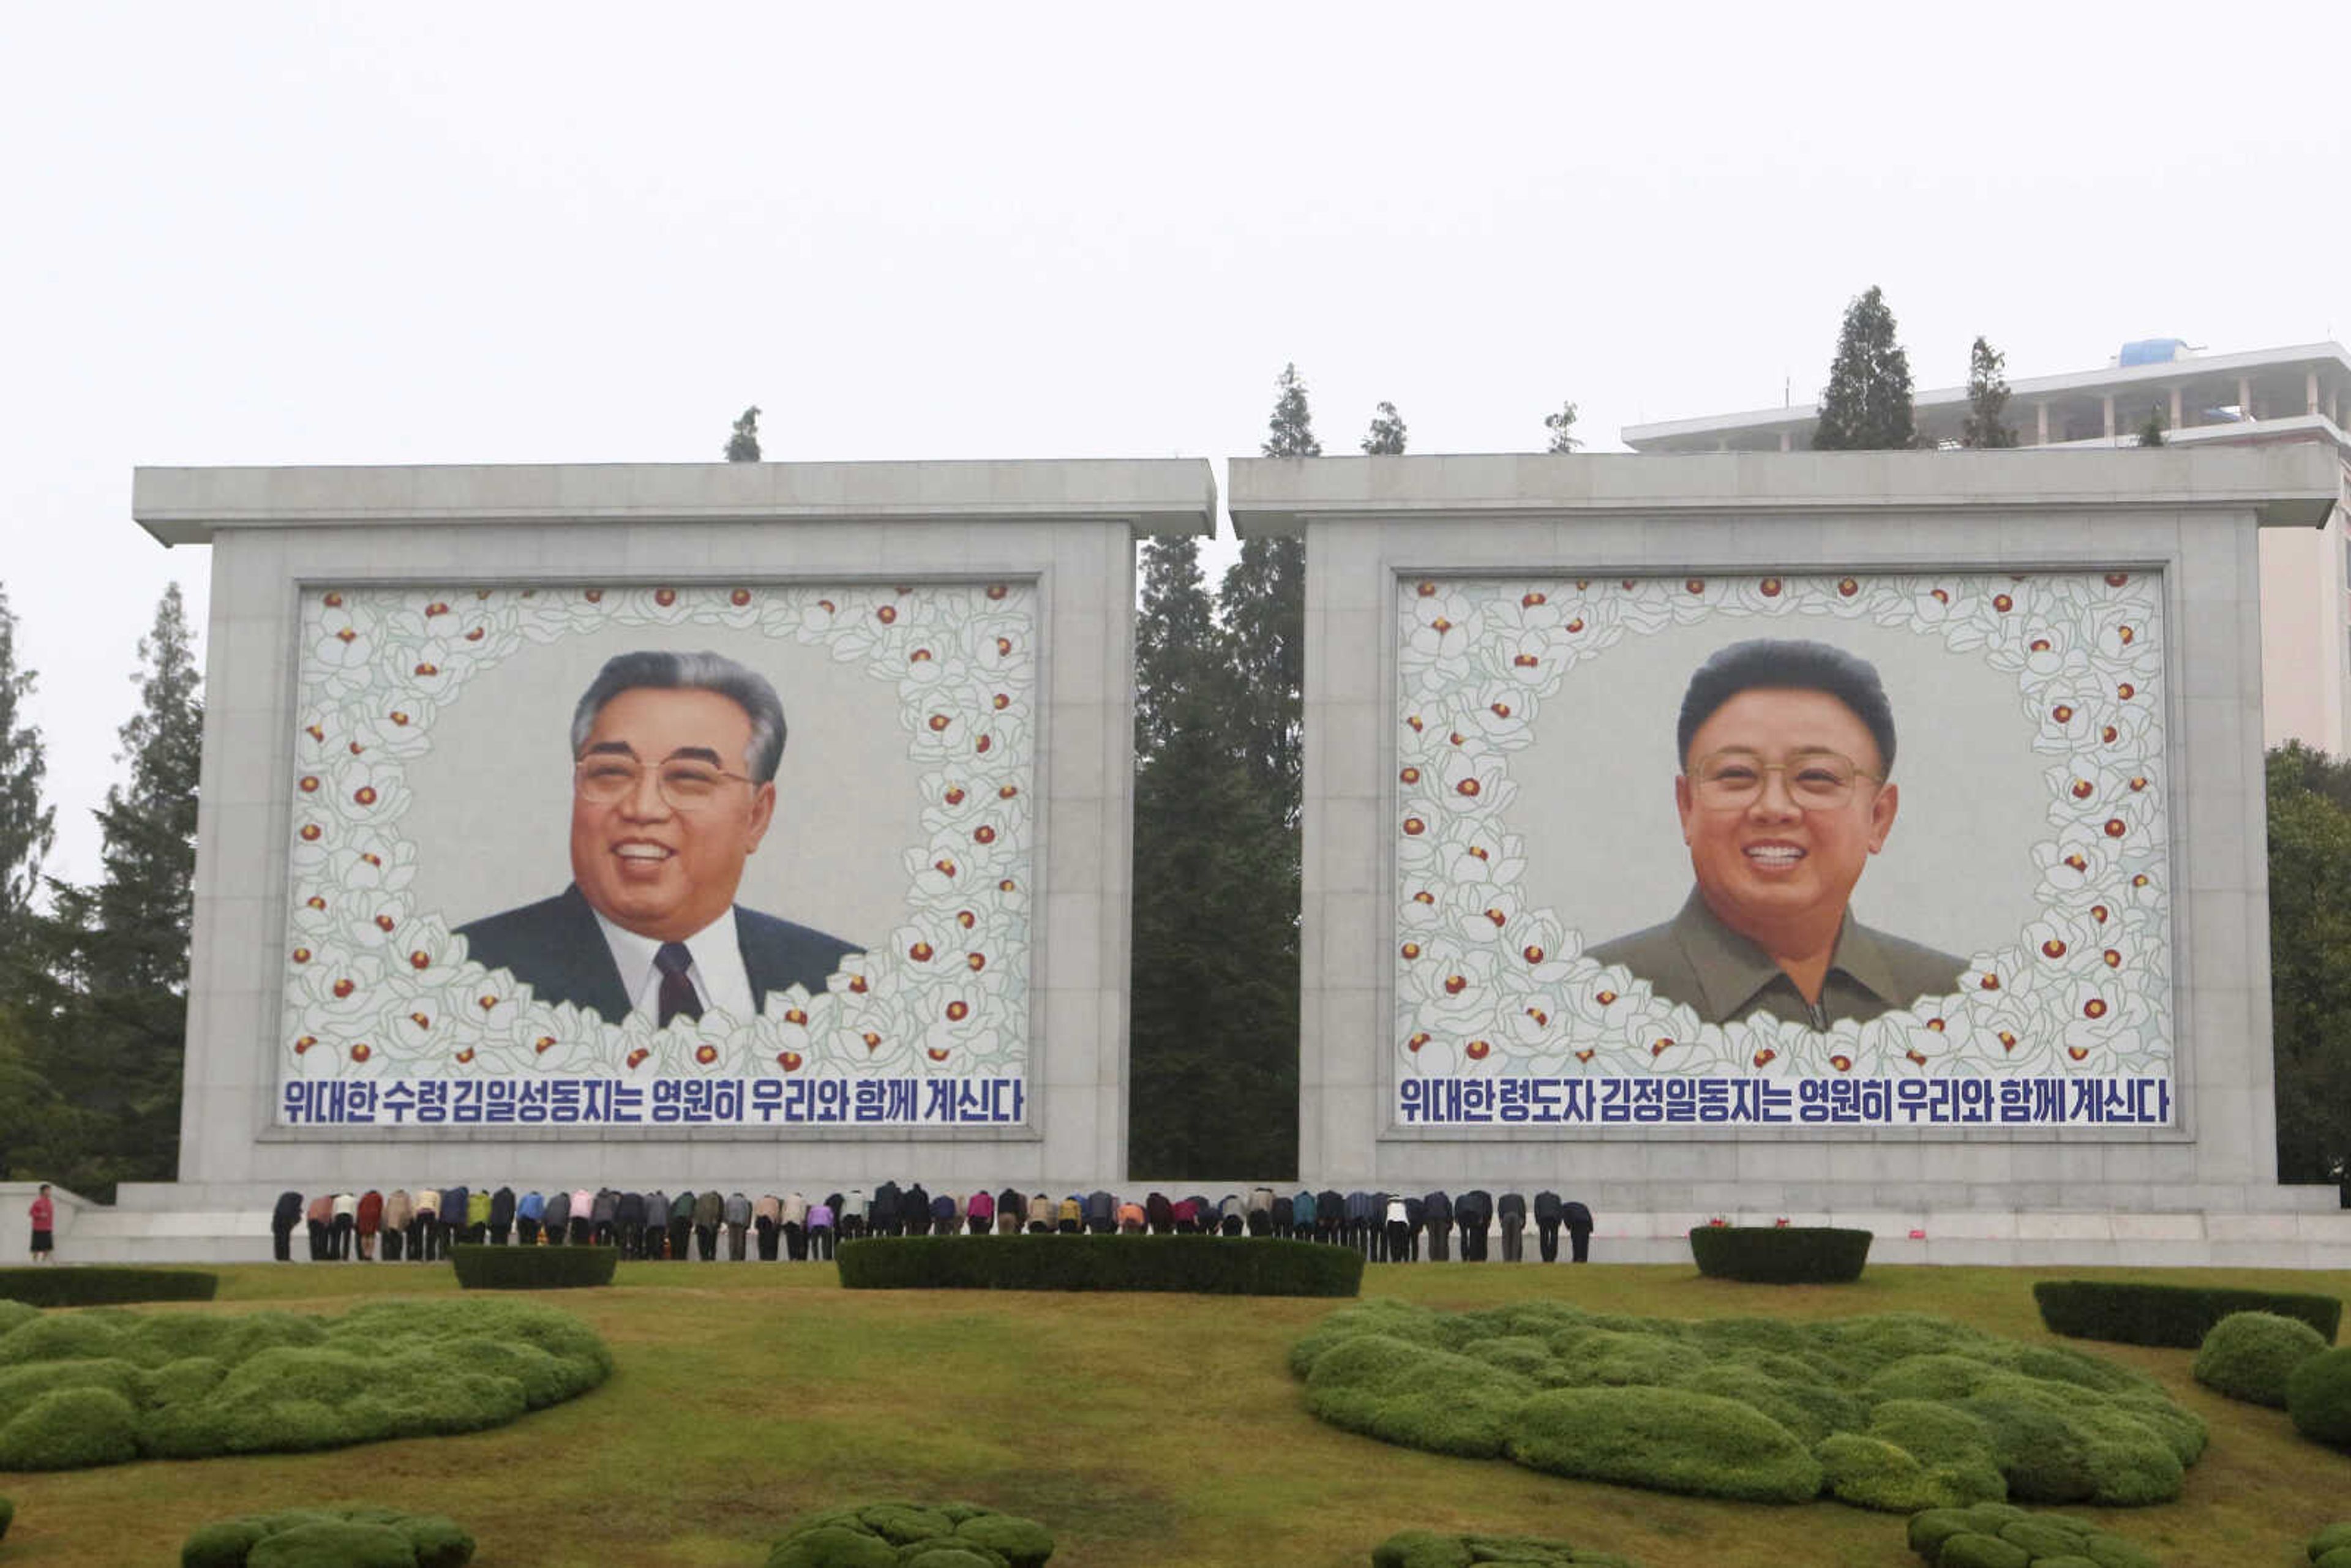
(2043, 1239)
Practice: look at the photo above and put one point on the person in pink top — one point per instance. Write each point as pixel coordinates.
(45, 1225)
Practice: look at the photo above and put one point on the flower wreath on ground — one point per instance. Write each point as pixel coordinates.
(376, 987)
(1486, 983)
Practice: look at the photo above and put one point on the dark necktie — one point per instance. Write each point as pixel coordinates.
(676, 991)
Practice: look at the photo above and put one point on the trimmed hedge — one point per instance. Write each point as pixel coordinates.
(484, 1268)
(103, 1284)
(916, 1535)
(100, 1388)
(2250, 1355)
(2175, 1316)
(1897, 1412)
(2318, 1397)
(1995, 1535)
(2331, 1547)
(329, 1538)
(1426, 1548)
(1200, 1265)
(1780, 1254)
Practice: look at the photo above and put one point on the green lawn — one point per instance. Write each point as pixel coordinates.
(1143, 1430)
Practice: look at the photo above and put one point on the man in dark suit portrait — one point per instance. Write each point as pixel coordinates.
(674, 767)
(1787, 750)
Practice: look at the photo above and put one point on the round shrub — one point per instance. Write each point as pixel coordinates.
(2248, 1355)
(2318, 1396)
(350, 1537)
(912, 1535)
(1995, 1532)
(1974, 1550)
(1417, 1395)
(70, 1429)
(2333, 1538)
(1668, 1439)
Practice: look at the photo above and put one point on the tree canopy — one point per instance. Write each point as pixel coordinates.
(1986, 425)
(1866, 405)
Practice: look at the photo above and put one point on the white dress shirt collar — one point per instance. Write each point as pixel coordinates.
(718, 972)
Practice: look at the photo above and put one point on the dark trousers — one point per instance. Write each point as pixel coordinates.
(527, 1231)
(1398, 1243)
(1580, 1240)
(1547, 1239)
(603, 1232)
(318, 1229)
(735, 1232)
(820, 1244)
(425, 1234)
(451, 1232)
(768, 1233)
(1439, 1237)
(1261, 1223)
(706, 1241)
(579, 1229)
(281, 1241)
(1514, 1239)
(679, 1231)
(795, 1243)
(978, 1223)
(1473, 1242)
(499, 1234)
(338, 1238)
(395, 1244)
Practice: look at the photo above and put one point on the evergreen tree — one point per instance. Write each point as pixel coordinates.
(1263, 603)
(1561, 426)
(1386, 437)
(110, 1021)
(2151, 429)
(1213, 1046)
(1987, 399)
(1867, 405)
(2310, 963)
(26, 827)
(743, 444)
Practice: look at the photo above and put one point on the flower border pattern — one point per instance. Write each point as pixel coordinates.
(376, 988)
(1489, 985)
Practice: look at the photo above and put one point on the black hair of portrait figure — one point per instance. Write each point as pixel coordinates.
(673, 770)
(1785, 792)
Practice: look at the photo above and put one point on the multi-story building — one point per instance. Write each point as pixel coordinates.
(2301, 393)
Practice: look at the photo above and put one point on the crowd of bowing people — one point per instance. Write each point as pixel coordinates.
(422, 1224)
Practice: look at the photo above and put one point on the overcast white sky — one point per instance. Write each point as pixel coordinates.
(281, 235)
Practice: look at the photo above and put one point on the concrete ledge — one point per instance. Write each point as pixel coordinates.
(92, 1233)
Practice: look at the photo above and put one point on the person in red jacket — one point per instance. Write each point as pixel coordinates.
(44, 1215)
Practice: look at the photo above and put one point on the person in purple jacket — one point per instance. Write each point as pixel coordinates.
(819, 1231)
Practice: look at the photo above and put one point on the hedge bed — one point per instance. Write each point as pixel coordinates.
(533, 1267)
(1897, 1412)
(1780, 1254)
(101, 1388)
(1200, 1265)
(2175, 1316)
(1995, 1535)
(329, 1538)
(915, 1534)
(1426, 1548)
(103, 1284)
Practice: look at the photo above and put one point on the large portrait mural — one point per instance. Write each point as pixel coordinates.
(631, 855)
(1802, 852)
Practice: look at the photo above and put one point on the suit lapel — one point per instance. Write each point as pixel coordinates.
(584, 960)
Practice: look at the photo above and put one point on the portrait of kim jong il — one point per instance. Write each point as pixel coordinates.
(1784, 793)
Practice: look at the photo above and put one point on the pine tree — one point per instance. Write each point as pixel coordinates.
(1262, 599)
(1561, 426)
(1867, 405)
(1213, 998)
(1387, 433)
(27, 827)
(110, 1025)
(1987, 399)
(743, 444)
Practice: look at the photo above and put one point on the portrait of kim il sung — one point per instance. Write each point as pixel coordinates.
(1785, 792)
(673, 760)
